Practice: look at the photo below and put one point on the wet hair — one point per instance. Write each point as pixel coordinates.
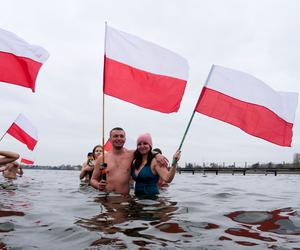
(94, 149)
(116, 128)
(157, 150)
(138, 158)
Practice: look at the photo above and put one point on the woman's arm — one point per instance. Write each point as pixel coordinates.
(8, 157)
(164, 173)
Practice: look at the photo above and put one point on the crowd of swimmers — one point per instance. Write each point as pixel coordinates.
(114, 171)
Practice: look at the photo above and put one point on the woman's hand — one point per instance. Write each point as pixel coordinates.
(176, 156)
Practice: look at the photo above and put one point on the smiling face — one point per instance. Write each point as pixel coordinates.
(97, 151)
(143, 147)
(117, 138)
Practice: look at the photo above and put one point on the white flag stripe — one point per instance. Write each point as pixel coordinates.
(247, 88)
(26, 125)
(11, 43)
(144, 55)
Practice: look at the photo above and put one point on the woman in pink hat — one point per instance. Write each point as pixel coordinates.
(145, 170)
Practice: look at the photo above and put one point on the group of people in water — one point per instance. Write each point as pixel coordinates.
(113, 171)
(9, 166)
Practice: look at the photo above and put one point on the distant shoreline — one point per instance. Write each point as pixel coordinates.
(240, 171)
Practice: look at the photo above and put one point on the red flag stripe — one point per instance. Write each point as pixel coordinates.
(252, 118)
(147, 90)
(29, 162)
(22, 136)
(18, 70)
(108, 145)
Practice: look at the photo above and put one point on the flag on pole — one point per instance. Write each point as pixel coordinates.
(20, 61)
(24, 131)
(143, 73)
(248, 103)
(25, 161)
(108, 145)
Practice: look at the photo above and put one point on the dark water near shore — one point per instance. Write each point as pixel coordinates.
(49, 210)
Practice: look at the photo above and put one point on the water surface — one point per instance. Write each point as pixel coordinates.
(47, 209)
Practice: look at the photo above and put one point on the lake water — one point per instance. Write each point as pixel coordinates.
(49, 210)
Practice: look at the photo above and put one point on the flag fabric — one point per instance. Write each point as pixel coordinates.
(24, 131)
(25, 161)
(20, 61)
(143, 73)
(248, 103)
(108, 145)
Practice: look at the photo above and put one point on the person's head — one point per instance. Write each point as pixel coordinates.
(144, 143)
(90, 156)
(157, 150)
(97, 150)
(144, 147)
(117, 137)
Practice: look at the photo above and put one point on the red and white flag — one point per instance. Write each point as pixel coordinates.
(25, 161)
(108, 145)
(24, 131)
(143, 73)
(248, 103)
(20, 61)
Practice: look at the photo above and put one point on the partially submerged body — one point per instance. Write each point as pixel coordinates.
(88, 166)
(11, 170)
(118, 162)
(117, 171)
(145, 169)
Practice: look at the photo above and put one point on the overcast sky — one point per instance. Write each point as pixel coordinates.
(260, 37)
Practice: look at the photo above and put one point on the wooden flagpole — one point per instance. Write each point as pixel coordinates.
(103, 96)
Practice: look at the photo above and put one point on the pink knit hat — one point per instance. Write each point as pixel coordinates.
(145, 138)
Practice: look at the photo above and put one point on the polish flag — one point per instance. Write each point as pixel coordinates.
(24, 131)
(25, 161)
(248, 103)
(108, 145)
(20, 61)
(143, 73)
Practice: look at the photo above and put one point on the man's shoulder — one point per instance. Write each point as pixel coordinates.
(125, 152)
(129, 151)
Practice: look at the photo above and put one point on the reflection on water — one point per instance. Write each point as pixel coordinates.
(146, 222)
(254, 224)
(216, 212)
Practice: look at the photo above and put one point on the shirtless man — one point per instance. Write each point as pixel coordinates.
(118, 162)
